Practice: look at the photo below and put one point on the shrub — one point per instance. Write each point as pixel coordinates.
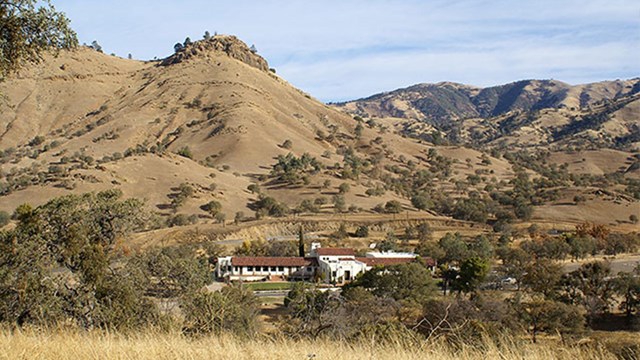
(181, 220)
(344, 188)
(377, 191)
(185, 152)
(362, 231)
(212, 207)
(579, 199)
(339, 203)
(4, 218)
(393, 207)
(421, 202)
(36, 141)
(267, 205)
(239, 217)
(221, 218)
(254, 188)
(232, 309)
(307, 206)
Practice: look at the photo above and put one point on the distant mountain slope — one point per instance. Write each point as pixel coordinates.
(527, 113)
(445, 102)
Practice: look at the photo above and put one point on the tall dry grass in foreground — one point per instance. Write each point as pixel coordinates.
(32, 344)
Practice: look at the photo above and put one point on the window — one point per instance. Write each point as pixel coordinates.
(280, 268)
(308, 268)
(249, 268)
(265, 268)
(273, 268)
(333, 274)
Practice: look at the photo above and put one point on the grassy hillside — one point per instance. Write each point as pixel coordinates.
(212, 124)
(97, 345)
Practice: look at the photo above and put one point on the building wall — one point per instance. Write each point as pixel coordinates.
(224, 269)
(334, 268)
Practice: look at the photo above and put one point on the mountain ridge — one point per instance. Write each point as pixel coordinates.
(447, 101)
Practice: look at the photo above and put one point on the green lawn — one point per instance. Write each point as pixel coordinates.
(258, 286)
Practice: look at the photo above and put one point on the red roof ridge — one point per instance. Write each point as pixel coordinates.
(271, 261)
(385, 261)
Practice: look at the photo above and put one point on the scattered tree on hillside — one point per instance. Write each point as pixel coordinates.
(543, 277)
(362, 231)
(455, 249)
(4, 218)
(339, 204)
(221, 218)
(393, 207)
(239, 217)
(591, 286)
(184, 192)
(287, 144)
(472, 273)
(344, 188)
(627, 286)
(550, 317)
(291, 169)
(358, 130)
(213, 207)
(95, 46)
(579, 199)
(254, 188)
(266, 205)
(185, 152)
(514, 263)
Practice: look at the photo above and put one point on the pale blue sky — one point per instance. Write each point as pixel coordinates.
(346, 49)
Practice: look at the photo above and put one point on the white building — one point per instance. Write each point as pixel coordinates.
(233, 268)
(329, 265)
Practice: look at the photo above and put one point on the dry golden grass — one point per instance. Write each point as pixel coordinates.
(32, 344)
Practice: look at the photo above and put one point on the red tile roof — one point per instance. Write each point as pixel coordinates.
(429, 261)
(384, 261)
(272, 261)
(335, 252)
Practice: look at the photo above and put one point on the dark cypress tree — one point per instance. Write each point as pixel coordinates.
(301, 242)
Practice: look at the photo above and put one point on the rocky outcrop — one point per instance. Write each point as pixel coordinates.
(230, 45)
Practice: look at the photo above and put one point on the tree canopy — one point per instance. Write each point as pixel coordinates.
(400, 282)
(27, 29)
